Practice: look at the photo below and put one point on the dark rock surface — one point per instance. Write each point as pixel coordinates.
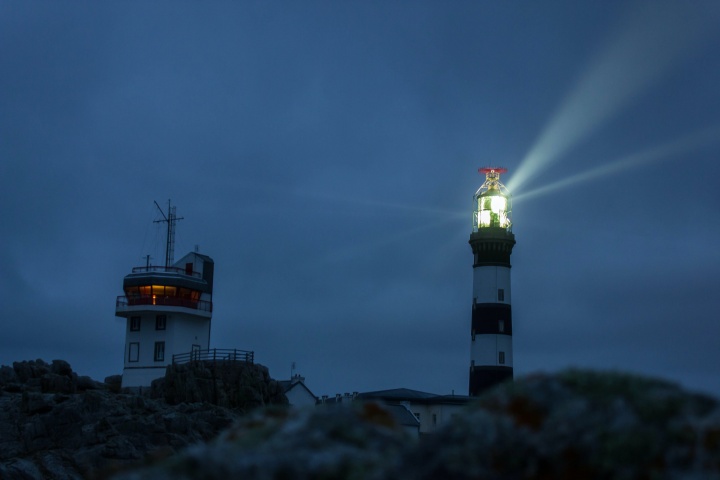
(236, 385)
(55, 424)
(573, 425)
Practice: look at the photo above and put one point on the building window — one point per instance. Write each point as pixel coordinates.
(434, 419)
(417, 415)
(501, 358)
(159, 351)
(160, 322)
(134, 352)
(473, 335)
(134, 324)
(501, 326)
(501, 295)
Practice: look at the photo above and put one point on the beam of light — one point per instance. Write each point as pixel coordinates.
(650, 42)
(380, 204)
(661, 152)
(350, 251)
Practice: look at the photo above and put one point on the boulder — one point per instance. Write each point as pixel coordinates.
(49, 430)
(572, 425)
(61, 367)
(54, 383)
(7, 375)
(114, 383)
(237, 385)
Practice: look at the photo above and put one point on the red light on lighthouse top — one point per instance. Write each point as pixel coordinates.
(487, 170)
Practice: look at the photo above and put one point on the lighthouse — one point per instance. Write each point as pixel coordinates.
(492, 241)
(168, 310)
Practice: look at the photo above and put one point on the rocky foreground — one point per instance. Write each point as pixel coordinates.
(572, 425)
(55, 424)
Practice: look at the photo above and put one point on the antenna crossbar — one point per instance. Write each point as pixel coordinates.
(170, 219)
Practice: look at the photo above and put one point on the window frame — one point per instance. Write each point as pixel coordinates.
(130, 352)
(160, 322)
(133, 325)
(159, 352)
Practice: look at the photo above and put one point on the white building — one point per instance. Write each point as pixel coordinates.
(168, 311)
(297, 393)
(415, 411)
(431, 411)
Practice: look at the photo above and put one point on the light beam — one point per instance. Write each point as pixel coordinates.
(661, 152)
(651, 40)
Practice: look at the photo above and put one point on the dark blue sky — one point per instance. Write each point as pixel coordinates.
(325, 155)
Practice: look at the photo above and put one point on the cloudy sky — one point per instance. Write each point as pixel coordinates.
(325, 155)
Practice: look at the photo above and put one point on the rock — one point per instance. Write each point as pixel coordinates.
(20, 469)
(47, 430)
(7, 375)
(54, 383)
(573, 425)
(86, 383)
(237, 385)
(332, 443)
(114, 383)
(61, 367)
(33, 403)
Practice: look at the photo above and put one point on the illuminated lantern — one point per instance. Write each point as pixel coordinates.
(492, 202)
(492, 241)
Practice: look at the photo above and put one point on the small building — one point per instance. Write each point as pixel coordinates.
(400, 413)
(297, 393)
(430, 411)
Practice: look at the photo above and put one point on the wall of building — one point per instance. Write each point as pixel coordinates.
(433, 416)
(487, 280)
(181, 332)
(486, 348)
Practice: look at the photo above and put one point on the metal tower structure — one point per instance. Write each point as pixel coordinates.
(170, 219)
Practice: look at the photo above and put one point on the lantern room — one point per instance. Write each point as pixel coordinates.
(493, 202)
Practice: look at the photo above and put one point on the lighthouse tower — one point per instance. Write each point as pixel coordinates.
(168, 310)
(491, 358)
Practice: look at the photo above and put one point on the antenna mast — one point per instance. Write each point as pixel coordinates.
(170, 219)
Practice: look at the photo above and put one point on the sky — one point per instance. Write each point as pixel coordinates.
(325, 155)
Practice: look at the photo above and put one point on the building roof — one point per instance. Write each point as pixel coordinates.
(203, 257)
(414, 396)
(291, 384)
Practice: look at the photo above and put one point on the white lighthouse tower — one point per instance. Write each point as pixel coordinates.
(492, 241)
(168, 310)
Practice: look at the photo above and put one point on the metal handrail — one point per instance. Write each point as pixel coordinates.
(215, 355)
(159, 268)
(123, 301)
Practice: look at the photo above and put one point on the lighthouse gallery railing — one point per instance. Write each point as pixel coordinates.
(215, 355)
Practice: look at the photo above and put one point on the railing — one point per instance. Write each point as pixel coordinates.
(215, 355)
(203, 305)
(158, 268)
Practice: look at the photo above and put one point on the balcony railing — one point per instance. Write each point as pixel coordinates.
(123, 302)
(158, 268)
(215, 355)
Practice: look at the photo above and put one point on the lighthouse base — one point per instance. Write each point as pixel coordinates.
(484, 378)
